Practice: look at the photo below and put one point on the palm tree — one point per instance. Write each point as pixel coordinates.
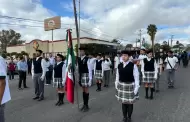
(151, 31)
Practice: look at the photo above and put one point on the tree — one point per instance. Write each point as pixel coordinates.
(9, 38)
(128, 46)
(115, 41)
(147, 45)
(157, 47)
(151, 31)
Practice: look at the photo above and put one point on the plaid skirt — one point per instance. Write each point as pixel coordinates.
(98, 74)
(58, 83)
(149, 77)
(125, 93)
(84, 79)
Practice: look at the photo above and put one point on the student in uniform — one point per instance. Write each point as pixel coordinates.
(38, 75)
(59, 78)
(127, 85)
(107, 70)
(98, 71)
(85, 78)
(150, 73)
(4, 88)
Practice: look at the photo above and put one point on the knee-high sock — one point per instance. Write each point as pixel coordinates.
(151, 92)
(97, 85)
(146, 92)
(130, 110)
(124, 110)
(87, 98)
(84, 98)
(62, 97)
(100, 85)
(59, 96)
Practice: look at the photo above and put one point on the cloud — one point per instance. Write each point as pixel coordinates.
(104, 19)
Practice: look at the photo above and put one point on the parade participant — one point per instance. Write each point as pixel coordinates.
(127, 85)
(52, 63)
(59, 78)
(91, 62)
(85, 78)
(107, 70)
(150, 73)
(38, 75)
(4, 88)
(98, 71)
(171, 66)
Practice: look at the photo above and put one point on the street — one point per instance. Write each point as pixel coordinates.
(170, 105)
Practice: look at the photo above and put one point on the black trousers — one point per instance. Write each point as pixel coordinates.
(29, 70)
(11, 75)
(22, 79)
(48, 77)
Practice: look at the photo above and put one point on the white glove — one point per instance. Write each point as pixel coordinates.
(42, 78)
(90, 83)
(143, 75)
(116, 85)
(155, 75)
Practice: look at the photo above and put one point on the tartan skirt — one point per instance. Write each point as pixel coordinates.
(98, 74)
(84, 79)
(58, 83)
(149, 77)
(125, 93)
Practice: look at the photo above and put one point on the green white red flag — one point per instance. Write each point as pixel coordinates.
(70, 64)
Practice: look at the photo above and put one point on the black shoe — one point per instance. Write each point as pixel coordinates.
(124, 120)
(146, 97)
(40, 99)
(151, 97)
(86, 108)
(104, 85)
(157, 91)
(26, 87)
(35, 98)
(57, 103)
(60, 103)
(129, 120)
(97, 90)
(20, 89)
(82, 108)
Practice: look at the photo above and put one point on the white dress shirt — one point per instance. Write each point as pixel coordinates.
(63, 72)
(91, 62)
(172, 60)
(106, 65)
(141, 57)
(135, 74)
(43, 62)
(52, 60)
(47, 64)
(116, 62)
(3, 72)
(102, 67)
(155, 67)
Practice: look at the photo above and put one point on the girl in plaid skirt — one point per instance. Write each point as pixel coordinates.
(98, 72)
(85, 78)
(59, 77)
(127, 85)
(150, 73)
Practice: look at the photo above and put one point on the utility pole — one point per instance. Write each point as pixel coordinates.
(172, 39)
(140, 34)
(78, 44)
(79, 25)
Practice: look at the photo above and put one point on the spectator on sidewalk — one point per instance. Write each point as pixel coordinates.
(11, 69)
(4, 88)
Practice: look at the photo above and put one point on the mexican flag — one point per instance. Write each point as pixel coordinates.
(70, 64)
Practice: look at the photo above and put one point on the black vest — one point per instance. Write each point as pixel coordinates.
(126, 73)
(37, 65)
(83, 66)
(149, 65)
(98, 65)
(58, 70)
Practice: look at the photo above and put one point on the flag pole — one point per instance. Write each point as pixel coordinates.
(78, 45)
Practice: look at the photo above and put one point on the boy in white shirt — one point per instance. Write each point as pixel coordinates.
(171, 63)
(4, 88)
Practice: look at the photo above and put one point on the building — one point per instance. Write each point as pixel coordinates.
(59, 46)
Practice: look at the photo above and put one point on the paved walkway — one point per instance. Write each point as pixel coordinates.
(170, 105)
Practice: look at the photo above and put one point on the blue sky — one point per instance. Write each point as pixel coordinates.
(57, 6)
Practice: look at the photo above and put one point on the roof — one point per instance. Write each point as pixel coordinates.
(49, 41)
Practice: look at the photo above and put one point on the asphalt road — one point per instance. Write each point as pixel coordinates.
(170, 105)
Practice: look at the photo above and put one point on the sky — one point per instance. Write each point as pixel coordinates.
(101, 19)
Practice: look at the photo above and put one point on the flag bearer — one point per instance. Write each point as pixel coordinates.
(85, 78)
(98, 71)
(127, 85)
(59, 77)
(150, 73)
